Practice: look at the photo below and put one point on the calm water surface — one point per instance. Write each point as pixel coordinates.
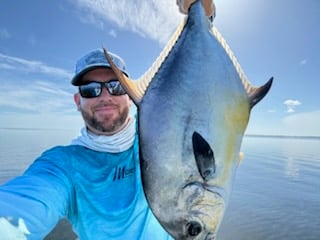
(276, 192)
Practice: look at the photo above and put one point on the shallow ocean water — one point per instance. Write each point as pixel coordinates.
(276, 192)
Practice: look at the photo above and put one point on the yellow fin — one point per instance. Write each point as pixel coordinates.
(129, 85)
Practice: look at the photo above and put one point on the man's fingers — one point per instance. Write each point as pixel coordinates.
(208, 5)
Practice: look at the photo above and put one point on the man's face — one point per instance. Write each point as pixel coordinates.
(105, 114)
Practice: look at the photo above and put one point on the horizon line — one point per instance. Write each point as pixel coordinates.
(245, 135)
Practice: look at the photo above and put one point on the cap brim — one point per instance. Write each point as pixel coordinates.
(76, 80)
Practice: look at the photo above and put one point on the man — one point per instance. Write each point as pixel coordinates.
(95, 181)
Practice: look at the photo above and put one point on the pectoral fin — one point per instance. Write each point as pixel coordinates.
(204, 156)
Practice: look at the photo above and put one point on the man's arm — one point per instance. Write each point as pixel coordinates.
(32, 204)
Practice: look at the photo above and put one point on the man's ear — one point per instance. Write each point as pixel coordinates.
(76, 98)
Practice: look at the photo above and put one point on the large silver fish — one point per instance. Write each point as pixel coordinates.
(193, 108)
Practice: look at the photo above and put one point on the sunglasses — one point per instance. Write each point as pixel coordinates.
(94, 89)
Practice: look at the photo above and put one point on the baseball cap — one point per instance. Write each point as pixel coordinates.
(96, 59)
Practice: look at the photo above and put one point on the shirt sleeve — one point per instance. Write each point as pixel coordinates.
(37, 199)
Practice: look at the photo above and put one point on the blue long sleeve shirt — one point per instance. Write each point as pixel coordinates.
(100, 193)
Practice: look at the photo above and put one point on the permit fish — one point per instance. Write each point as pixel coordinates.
(193, 105)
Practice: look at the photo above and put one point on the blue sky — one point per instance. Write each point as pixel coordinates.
(41, 40)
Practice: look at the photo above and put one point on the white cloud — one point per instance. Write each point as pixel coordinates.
(163, 16)
(48, 120)
(302, 124)
(32, 94)
(9, 62)
(291, 104)
(113, 33)
(38, 97)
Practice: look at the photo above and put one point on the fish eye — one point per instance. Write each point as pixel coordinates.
(194, 228)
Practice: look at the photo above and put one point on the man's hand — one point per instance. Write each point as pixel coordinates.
(208, 6)
(9, 231)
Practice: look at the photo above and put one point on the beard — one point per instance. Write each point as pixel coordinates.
(108, 123)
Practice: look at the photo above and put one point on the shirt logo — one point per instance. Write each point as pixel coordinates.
(122, 172)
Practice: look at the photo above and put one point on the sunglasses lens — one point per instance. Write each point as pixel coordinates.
(94, 89)
(114, 88)
(90, 90)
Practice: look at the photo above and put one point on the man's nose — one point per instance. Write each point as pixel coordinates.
(105, 92)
